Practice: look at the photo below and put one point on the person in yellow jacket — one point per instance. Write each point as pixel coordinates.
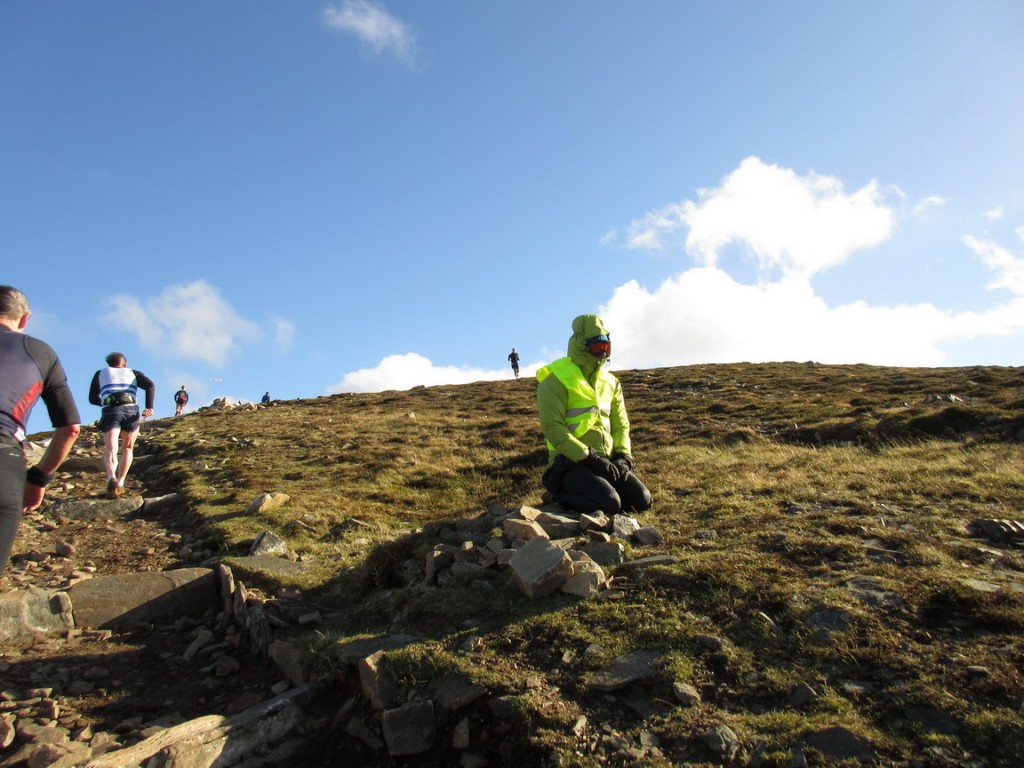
(583, 417)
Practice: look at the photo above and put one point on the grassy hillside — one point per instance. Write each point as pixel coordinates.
(827, 572)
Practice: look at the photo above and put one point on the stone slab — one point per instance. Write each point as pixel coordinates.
(96, 509)
(267, 564)
(604, 553)
(454, 691)
(110, 601)
(355, 650)
(639, 665)
(647, 562)
(540, 568)
(26, 612)
(410, 729)
(516, 528)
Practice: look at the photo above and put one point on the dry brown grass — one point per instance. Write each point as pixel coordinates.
(775, 486)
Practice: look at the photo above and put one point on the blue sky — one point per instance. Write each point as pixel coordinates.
(345, 195)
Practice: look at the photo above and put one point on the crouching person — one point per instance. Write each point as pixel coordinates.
(583, 417)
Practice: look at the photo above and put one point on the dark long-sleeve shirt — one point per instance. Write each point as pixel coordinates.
(29, 370)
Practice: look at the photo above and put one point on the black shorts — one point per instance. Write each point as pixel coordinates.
(125, 417)
(12, 490)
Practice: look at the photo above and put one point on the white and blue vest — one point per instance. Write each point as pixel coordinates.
(117, 380)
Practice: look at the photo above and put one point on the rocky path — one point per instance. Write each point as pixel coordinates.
(80, 693)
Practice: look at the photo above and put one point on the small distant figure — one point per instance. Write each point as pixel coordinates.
(180, 400)
(265, 398)
(115, 389)
(513, 358)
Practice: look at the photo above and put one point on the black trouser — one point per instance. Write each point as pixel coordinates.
(577, 487)
(12, 495)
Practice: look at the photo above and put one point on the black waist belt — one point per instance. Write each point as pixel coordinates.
(119, 398)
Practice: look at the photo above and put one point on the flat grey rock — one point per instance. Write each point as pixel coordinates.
(109, 601)
(454, 691)
(96, 509)
(870, 591)
(267, 564)
(639, 665)
(355, 650)
(410, 729)
(841, 743)
(26, 612)
(644, 562)
(936, 720)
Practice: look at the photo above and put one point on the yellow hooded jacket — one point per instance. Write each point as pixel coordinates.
(580, 404)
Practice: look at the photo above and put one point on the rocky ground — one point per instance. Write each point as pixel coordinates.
(867, 616)
(68, 700)
(112, 688)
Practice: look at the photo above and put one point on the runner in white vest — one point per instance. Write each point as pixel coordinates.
(115, 389)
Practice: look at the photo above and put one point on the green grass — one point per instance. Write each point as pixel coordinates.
(775, 486)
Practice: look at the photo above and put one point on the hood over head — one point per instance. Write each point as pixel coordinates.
(586, 327)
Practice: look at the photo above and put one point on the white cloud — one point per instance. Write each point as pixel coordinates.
(373, 26)
(798, 224)
(704, 316)
(996, 213)
(655, 231)
(410, 370)
(924, 207)
(1009, 269)
(189, 321)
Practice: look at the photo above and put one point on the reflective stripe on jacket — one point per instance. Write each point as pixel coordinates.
(588, 408)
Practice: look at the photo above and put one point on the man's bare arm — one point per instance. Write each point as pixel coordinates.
(58, 450)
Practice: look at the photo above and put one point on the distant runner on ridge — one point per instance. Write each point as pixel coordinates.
(514, 359)
(180, 400)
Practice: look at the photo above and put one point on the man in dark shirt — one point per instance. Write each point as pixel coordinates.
(180, 400)
(29, 369)
(116, 388)
(513, 357)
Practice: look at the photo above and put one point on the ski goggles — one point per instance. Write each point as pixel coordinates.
(600, 346)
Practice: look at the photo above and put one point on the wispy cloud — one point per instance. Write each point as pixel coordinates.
(284, 332)
(1008, 268)
(995, 214)
(375, 27)
(190, 322)
(927, 205)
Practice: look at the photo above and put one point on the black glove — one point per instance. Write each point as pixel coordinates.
(623, 461)
(602, 467)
